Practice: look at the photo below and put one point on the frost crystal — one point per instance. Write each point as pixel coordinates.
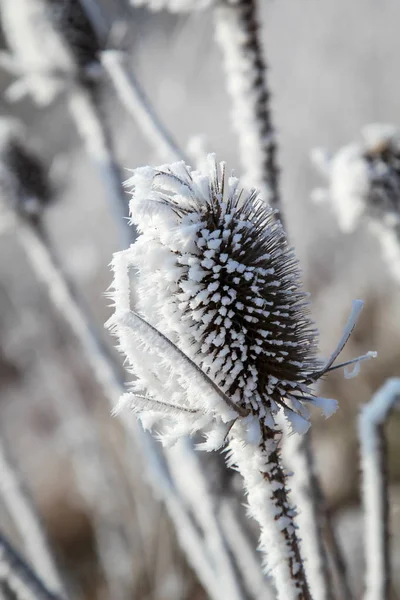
(214, 276)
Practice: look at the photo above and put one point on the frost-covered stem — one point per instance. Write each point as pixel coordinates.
(375, 489)
(237, 32)
(17, 579)
(304, 488)
(90, 126)
(265, 483)
(28, 524)
(109, 376)
(244, 552)
(138, 105)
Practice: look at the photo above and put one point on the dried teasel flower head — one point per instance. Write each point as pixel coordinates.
(364, 177)
(24, 185)
(175, 5)
(217, 296)
(50, 41)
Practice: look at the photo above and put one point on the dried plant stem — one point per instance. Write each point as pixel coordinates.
(298, 459)
(90, 126)
(265, 482)
(375, 489)
(65, 299)
(17, 579)
(237, 32)
(138, 105)
(28, 524)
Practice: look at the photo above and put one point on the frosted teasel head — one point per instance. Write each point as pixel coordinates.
(50, 42)
(217, 325)
(175, 5)
(24, 186)
(364, 177)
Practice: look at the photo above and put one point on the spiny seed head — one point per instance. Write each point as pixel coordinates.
(215, 275)
(23, 180)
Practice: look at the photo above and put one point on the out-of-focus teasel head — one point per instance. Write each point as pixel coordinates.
(175, 5)
(24, 185)
(364, 178)
(50, 42)
(217, 325)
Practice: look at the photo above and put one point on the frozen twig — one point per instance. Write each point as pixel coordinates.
(298, 459)
(139, 106)
(237, 32)
(17, 580)
(265, 482)
(28, 524)
(372, 420)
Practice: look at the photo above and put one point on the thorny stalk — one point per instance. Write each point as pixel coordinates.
(27, 521)
(237, 32)
(269, 503)
(17, 579)
(372, 420)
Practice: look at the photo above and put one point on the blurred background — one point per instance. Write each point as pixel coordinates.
(333, 67)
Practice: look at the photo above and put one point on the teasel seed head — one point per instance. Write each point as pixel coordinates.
(215, 275)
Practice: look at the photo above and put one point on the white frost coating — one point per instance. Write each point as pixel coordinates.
(246, 93)
(252, 462)
(374, 493)
(174, 5)
(295, 460)
(38, 48)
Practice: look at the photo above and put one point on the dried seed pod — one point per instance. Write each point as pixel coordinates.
(217, 279)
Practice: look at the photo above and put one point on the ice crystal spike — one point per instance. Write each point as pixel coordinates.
(214, 274)
(23, 181)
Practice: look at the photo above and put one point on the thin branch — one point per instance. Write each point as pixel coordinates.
(265, 484)
(138, 105)
(25, 518)
(298, 460)
(372, 420)
(18, 579)
(237, 32)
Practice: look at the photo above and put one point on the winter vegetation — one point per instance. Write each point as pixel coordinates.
(224, 396)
